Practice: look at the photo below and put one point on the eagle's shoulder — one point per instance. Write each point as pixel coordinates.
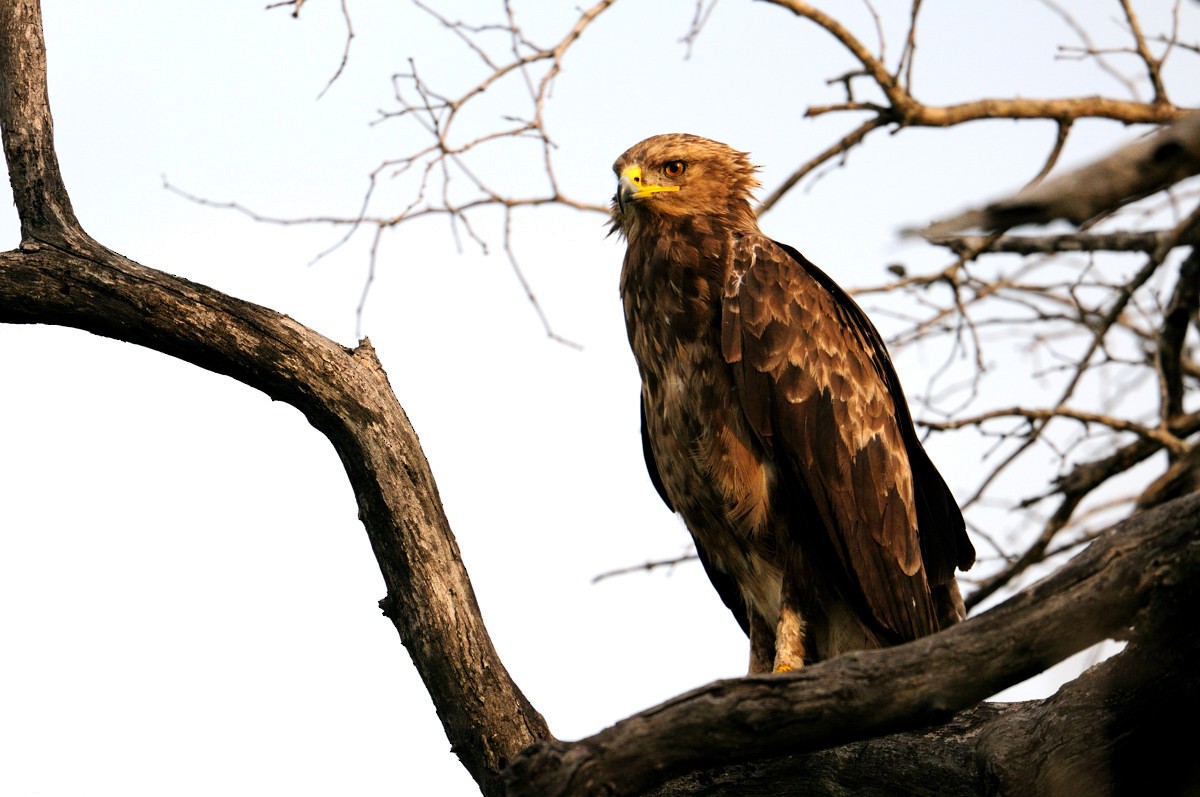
(785, 319)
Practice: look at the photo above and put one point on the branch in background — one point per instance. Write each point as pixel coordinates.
(1119, 241)
(345, 50)
(295, 4)
(841, 147)
(1089, 49)
(1162, 437)
(1144, 167)
(1087, 476)
(1122, 295)
(1097, 321)
(1073, 488)
(645, 567)
(1179, 314)
(444, 183)
(1153, 65)
(1060, 143)
(1182, 478)
(901, 108)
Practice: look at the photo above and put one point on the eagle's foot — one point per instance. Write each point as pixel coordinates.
(789, 640)
(779, 647)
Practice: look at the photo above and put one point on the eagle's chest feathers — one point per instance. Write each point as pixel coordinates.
(714, 471)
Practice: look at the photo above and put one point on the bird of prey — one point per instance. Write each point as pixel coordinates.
(773, 421)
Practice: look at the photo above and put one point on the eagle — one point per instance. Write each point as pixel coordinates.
(773, 420)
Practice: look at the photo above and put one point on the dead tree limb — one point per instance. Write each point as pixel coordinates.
(59, 275)
(1142, 574)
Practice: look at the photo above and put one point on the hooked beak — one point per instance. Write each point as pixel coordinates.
(631, 187)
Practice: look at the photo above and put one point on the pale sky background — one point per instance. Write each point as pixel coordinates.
(188, 603)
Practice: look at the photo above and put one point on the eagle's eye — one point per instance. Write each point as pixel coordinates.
(674, 168)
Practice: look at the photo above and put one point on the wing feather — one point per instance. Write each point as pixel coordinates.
(818, 389)
(944, 541)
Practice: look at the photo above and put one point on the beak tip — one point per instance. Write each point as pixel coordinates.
(626, 193)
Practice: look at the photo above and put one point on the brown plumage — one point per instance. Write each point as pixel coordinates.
(773, 420)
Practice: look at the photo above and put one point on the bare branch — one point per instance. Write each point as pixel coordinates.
(1161, 436)
(1119, 241)
(285, 3)
(908, 55)
(1090, 48)
(645, 567)
(345, 50)
(1060, 141)
(699, 19)
(1153, 65)
(529, 294)
(840, 148)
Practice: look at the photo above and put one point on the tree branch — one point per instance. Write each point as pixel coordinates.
(1133, 574)
(1148, 241)
(60, 276)
(901, 108)
(1132, 172)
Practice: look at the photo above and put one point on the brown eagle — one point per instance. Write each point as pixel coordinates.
(773, 420)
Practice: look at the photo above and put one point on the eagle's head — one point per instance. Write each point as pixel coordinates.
(676, 175)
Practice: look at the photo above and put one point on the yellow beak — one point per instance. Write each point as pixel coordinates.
(632, 187)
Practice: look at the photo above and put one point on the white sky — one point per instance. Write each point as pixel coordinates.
(187, 599)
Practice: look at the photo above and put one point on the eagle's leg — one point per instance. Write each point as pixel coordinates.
(762, 644)
(789, 632)
(948, 601)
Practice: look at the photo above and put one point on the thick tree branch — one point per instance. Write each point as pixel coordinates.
(1148, 564)
(1102, 733)
(59, 276)
(344, 394)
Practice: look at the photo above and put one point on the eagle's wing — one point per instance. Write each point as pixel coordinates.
(724, 583)
(820, 392)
